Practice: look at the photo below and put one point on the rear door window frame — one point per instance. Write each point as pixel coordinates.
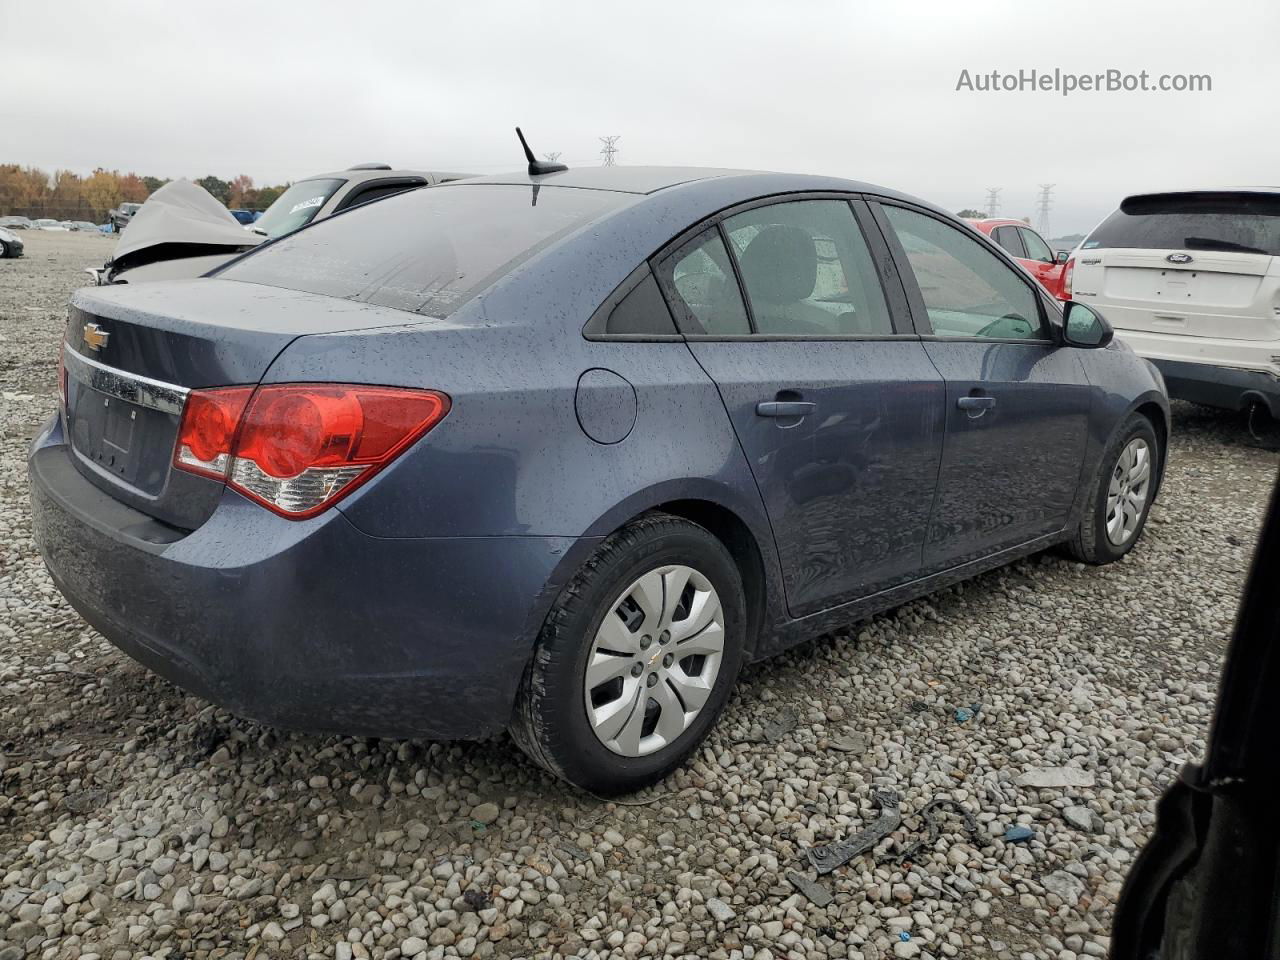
(886, 269)
(919, 312)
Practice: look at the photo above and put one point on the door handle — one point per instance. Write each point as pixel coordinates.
(784, 408)
(976, 403)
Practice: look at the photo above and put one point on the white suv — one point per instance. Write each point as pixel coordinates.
(1191, 281)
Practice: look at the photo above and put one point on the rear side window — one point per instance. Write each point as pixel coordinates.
(640, 313)
(967, 290)
(1037, 249)
(807, 270)
(1228, 222)
(377, 190)
(702, 289)
(1007, 237)
(426, 251)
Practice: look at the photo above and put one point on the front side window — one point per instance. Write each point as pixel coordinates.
(967, 290)
(1037, 249)
(807, 270)
(702, 289)
(296, 207)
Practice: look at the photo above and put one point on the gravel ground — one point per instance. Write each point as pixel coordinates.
(136, 820)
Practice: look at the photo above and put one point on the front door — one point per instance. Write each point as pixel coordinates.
(838, 411)
(1017, 403)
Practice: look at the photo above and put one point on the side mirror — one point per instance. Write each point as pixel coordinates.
(1062, 256)
(1082, 326)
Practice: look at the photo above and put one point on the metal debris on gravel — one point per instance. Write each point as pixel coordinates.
(172, 829)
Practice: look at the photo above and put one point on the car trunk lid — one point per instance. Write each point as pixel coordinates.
(1194, 293)
(132, 355)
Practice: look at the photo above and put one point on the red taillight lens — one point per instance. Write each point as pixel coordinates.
(209, 422)
(298, 448)
(1067, 271)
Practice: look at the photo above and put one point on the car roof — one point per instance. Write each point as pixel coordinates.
(1000, 222)
(651, 180)
(618, 179)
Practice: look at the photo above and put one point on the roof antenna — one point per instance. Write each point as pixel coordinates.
(538, 167)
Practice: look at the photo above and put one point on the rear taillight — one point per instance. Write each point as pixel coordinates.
(1067, 271)
(298, 448)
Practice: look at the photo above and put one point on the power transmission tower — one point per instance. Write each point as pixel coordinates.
(993, 200)
(551, 157)
(1043, 204)
(609, 151)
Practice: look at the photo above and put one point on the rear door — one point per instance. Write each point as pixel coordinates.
(1017, 404)
(834, 400)
(1192, 264)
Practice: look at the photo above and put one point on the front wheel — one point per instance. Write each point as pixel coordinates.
(636, 659)
(1122, 495)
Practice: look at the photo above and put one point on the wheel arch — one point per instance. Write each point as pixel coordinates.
(1158, 415)
(737, 537)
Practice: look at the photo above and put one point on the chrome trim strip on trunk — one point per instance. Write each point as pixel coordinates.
(145, 392)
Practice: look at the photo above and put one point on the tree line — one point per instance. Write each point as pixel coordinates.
(65, 195)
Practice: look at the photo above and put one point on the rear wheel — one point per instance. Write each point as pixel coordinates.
(1121, 498)
(4, 250)
(636, 659)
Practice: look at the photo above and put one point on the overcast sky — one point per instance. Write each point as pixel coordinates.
(284, 90)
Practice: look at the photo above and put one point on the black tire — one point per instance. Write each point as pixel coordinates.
(550, 722)
(4, 250)
(1090, 544)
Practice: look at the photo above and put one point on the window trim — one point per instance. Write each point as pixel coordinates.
(891, 283)
(919, 313)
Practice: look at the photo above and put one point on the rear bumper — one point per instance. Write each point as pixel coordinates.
(310, 625)
(1223, 387)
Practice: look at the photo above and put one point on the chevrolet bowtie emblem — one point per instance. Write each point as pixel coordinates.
(95, 338)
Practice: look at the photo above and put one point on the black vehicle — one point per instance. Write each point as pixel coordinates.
(1207, 885)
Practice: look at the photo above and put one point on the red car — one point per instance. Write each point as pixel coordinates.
(1029, 249)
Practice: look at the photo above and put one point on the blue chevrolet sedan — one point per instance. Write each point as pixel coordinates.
(559, 452)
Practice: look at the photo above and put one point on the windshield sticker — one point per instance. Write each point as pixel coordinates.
(313, 202)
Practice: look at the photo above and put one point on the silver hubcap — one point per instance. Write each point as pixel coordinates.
(654, 660)
(1128, 491)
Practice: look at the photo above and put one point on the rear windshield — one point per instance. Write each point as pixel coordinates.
(426, 251)
(1239, 223)
(296, 207)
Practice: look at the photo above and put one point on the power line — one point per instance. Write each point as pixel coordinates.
(609, 151)
(993, 200)
(1043, 205)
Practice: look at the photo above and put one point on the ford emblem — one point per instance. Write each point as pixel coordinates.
(1180, 258)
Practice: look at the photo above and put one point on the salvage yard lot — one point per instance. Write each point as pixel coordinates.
(136, 820)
